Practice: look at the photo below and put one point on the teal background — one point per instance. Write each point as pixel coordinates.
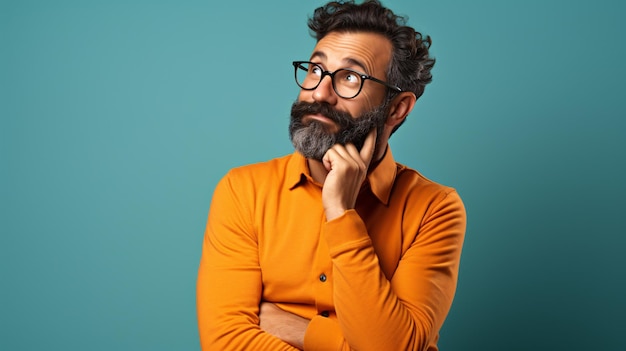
(119, 117)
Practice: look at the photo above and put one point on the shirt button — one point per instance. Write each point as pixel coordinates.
(323, 277)
(325, 314)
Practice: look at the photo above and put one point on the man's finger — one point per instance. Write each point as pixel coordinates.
(367, 151)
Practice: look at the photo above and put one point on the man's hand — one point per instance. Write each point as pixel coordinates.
(284, 325)
(347, 168)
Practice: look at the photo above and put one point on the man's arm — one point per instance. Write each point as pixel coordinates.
(283, 325)
(374, 312)
(229, 283)
(406, 311)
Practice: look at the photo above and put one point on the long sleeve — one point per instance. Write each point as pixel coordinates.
(404, 307)
(229, 284)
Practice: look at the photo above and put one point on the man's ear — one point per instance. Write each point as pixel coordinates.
(400, 107)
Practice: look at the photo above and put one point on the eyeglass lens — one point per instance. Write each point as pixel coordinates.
(346, 83)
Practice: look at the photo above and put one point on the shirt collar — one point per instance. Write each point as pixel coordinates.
(297, 170)
(380, 178)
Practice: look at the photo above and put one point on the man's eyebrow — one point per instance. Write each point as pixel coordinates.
(349, 61)
(355, 62)
(318, 54)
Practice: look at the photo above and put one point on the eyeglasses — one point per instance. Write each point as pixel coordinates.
(347, 83)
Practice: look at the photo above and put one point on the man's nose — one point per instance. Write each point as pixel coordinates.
(325, 92)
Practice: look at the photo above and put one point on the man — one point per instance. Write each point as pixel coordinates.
(336, 247)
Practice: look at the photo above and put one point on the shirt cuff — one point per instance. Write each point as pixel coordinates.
(346, 232)
(323, 334)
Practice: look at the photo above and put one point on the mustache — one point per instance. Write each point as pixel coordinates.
(300, 109)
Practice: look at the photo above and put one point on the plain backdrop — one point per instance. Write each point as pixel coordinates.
(118, 118)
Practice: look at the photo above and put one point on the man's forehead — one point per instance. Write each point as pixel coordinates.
(347, 61)
(361, 49)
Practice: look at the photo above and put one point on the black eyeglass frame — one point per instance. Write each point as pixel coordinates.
(298, 65)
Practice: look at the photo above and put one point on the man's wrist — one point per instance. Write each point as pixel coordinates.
(335, 212)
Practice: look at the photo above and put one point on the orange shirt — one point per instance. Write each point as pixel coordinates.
(379, 277)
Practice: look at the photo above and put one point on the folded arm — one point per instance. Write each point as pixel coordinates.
(406, 310)
(229, 285)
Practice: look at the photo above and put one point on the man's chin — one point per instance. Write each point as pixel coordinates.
(311, 153)
(313, 140)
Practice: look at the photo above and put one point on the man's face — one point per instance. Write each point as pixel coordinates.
(320, 118)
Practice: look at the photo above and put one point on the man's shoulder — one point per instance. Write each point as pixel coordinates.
(270, 165)
(413, 181)
(271, 169)
(419, 194)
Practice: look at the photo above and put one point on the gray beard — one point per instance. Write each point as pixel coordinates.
(314, 139)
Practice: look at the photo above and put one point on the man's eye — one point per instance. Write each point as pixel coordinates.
(316, 70)
(352, 78)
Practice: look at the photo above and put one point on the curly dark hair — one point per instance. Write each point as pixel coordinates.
(410, 65)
